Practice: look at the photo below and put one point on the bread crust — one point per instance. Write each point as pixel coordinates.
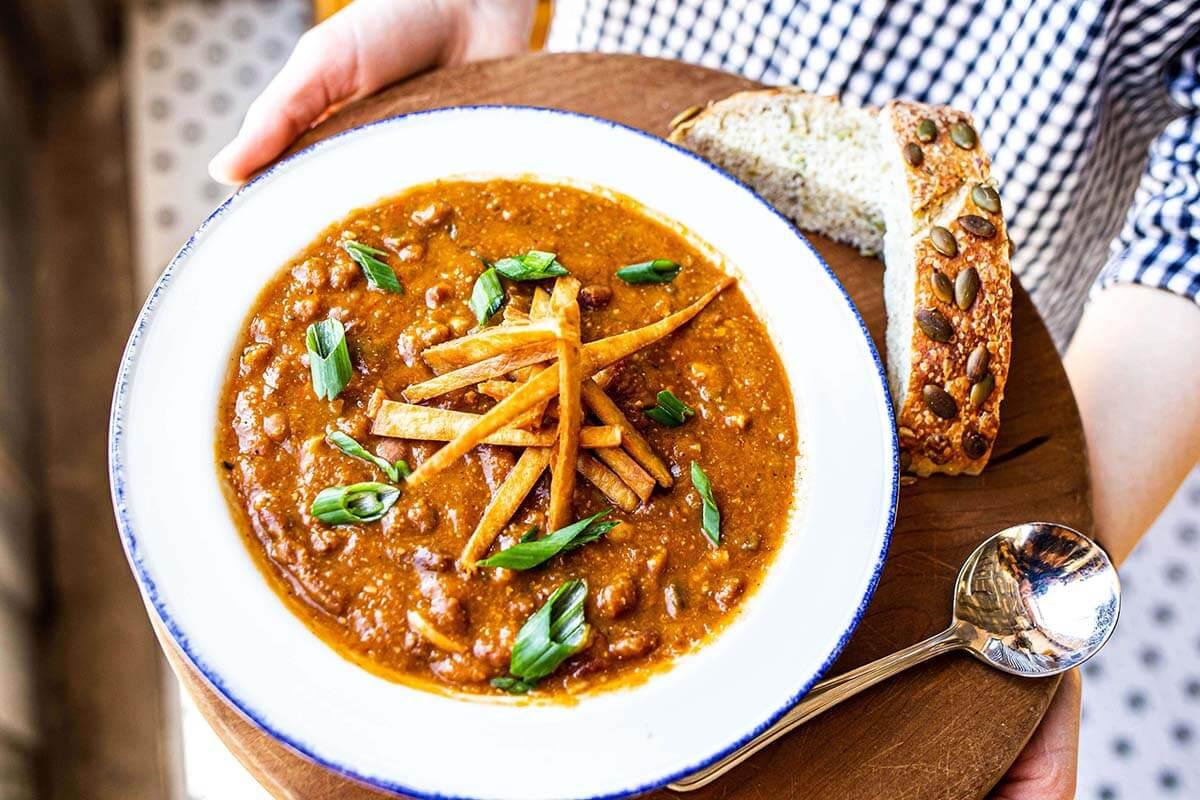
(940, 193)
(736, 103)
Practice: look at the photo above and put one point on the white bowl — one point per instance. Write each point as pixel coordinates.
(195, 570)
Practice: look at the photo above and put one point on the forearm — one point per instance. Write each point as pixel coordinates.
(1134, 366)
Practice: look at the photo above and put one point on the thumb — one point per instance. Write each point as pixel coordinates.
(1045, 769)
(365, 46)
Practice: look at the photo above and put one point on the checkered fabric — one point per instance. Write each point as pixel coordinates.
(1090, 108)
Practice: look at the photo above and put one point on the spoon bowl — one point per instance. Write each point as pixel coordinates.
(1037, 599)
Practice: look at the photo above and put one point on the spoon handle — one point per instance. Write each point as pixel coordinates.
(826, 695)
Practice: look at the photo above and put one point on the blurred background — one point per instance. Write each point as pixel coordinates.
(110, 112)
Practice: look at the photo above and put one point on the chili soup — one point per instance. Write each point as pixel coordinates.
(508, 436)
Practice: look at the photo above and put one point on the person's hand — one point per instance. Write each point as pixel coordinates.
(1134, 358)
(359, 50)
(1045, 769)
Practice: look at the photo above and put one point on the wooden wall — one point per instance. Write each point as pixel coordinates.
(82, 703)
(63, 41)
(19, 727)
(103, 700)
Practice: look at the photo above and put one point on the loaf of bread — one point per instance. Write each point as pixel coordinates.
(910, 181)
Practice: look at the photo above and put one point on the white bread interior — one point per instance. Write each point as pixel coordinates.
(814, 159)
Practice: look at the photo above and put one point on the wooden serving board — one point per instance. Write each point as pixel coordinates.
(946, 729)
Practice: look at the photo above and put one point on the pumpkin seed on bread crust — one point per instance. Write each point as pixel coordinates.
(954, 182)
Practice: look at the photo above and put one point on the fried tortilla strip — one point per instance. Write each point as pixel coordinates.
(539, 307)
(603, 352)
(405, 421)
(512, 315)
(498, 390)
(505, 503)
(596, 356)
(489, 342)
(424, 628)
(492, 367)
(375, 400)
(631, 439)
(628, 470)
(524, 373)
(605, 376)
(607, 482)
(564, 305)
(531, 419)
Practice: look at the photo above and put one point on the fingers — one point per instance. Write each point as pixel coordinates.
(293, 100)
(1046, 768)
(489, 29)
(367, 45)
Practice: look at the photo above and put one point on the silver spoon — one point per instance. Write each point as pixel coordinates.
(1033, 600)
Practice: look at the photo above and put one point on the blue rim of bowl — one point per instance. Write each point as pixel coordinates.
(150, 589)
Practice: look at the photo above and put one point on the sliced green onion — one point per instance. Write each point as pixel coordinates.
(394, 472)
(512, 685)
(670, 411)
(530, 552)
(660, 270)
(328, 357)
(487, 296)
(553, 634)
(379, 275)
(533, 266)
(358, 502)
(710, 521)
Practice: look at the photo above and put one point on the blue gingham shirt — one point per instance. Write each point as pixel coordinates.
(1090, 109)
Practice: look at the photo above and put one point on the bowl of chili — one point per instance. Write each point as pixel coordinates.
(404, 338)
